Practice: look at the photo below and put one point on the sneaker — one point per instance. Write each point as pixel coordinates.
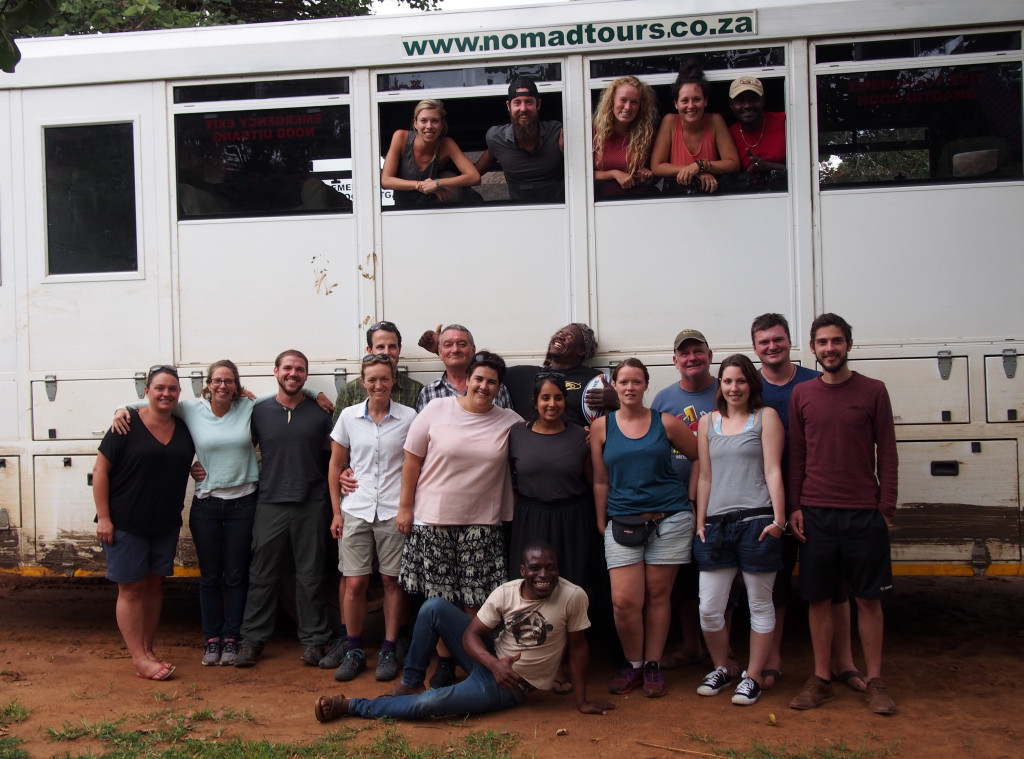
(444, 673)
(714, 682)
(654, 681)
(247, 656)
(626, 680)
(747, 692)
(878, 698)
(212, 654)
(312, 655)
(816, 692)
(387, 666)
(229, 653)
(335, 652)
(353, 663)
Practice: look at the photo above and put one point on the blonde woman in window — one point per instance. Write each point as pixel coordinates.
(623, 136)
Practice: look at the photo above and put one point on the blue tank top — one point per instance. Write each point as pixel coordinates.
(640, 473)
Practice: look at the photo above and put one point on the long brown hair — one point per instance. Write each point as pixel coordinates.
(746, 366)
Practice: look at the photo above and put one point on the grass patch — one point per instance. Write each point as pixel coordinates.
(833, 750)
(11, 713)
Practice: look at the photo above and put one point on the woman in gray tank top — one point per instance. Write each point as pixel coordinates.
(417, 156)
(740, 520)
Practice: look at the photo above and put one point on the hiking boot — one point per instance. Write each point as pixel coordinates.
(335, 652)
(747, 692)
(714, 682)
(387, 666)
(626, 680)
(654, 681)
(247, 656)
(312, 655)
(212, 654)
(353, 663)
(878, 698)
(229, 653)
(444, 673)
(816, 692)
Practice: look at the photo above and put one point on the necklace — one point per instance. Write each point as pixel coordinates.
(764, 124)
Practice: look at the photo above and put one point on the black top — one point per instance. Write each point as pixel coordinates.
(147, 478)
(519, 381)
(549, 467)
(292, 445)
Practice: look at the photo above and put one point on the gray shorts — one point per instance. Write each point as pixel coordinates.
(672, 544)
(359, 538)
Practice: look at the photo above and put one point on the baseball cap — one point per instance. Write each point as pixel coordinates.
(688, 334)
(745, 83)
(522, 87)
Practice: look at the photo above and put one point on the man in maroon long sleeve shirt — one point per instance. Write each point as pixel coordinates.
(842, 491)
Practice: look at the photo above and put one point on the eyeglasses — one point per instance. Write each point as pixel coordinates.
(548, 374)
(381, 357)
(225, 382)
(386, 326)
(161, 369)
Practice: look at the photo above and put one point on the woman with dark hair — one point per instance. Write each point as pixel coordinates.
(417, 156)
(139, 485)
(644, 514)
(456, 492)
(224, 505)
(623, 135)
(693, 146)
(740, 520)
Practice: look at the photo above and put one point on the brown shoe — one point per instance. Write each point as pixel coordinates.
(816, 692)
(878, 698)
(327, 708)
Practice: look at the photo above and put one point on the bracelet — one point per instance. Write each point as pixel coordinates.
(780, 526)
(701, 166)
(437, 184)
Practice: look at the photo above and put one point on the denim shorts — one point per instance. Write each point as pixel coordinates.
(135, 557)
(740, 547)
(671, 545)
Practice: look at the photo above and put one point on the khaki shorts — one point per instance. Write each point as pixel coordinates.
(359, 538)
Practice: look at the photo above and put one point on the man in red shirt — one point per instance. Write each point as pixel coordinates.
(842, 490)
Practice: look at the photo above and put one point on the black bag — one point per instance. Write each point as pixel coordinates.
(633, 531)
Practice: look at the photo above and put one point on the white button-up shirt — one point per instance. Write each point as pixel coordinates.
(376, 452)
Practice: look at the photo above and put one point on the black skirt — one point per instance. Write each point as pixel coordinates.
(569, 525)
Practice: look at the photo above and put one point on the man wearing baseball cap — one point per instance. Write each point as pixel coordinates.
(527, 149)
(760, 135)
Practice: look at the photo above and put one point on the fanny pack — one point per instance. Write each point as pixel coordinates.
(632, 530)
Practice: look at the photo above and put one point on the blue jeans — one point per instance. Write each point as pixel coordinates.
(222, 532)
(479, 692)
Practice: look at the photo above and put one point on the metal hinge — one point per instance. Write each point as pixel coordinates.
(945, 364)
(197, 382)
(980, 557)
(140, 384)
(5, 520)
(51, 386)
(340, 378)
(1009, 362)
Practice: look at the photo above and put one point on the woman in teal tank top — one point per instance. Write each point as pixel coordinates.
(631, 450)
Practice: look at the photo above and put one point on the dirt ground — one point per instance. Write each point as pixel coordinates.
(953, 662)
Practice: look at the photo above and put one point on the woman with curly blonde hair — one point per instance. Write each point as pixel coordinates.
(623, 135)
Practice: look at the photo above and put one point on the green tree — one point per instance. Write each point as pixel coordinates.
(42, 18)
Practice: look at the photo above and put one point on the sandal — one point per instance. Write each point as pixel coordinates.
(562, 687)
(769, 678)
(327, 708)
(848, 677)
(164, 673)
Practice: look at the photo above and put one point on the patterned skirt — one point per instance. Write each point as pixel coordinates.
(462, 564)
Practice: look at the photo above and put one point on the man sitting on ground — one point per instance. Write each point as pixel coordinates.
(535, 616)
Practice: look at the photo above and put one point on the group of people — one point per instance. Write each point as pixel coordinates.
(690, 149)
(483, 493)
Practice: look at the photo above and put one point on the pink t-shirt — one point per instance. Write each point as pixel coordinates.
(680, 154)
(465, 477)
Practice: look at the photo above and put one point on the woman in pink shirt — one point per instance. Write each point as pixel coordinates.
(623, 135)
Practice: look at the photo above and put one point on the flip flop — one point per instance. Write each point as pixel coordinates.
(848, 677)
(164, 673)
(326, 708)
(774, 674)
(562, 687)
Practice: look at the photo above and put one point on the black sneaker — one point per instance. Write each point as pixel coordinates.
(747, 692)
(312, 655)
(211, 656)
(353, 663)
(229, 653)
(335, 652)
(714, 682)
(247, 656)
(387, 666)
(444, 674)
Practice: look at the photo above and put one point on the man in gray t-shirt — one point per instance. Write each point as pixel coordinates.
(529, 150)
